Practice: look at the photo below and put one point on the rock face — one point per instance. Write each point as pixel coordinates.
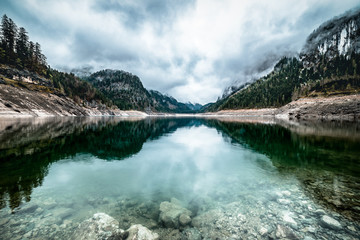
(173, 215)
(100, 226)
(339, 36)
(139, 232)
(331, 108)
(21, 102)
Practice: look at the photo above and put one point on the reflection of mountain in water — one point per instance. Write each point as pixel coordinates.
(27, 148)
(291, 148)
(325, 158)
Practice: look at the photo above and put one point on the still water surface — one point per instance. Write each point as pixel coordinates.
(239, 180)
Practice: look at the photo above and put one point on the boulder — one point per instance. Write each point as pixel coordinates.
(329, 222)
(184, 219)
(173, 215)
(139, 232)
(285, 232)
(263, 231)
(191, 234)
(100, 226)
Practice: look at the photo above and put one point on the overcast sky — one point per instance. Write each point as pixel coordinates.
(189, 49)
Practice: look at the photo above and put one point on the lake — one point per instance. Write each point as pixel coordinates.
(236, 178)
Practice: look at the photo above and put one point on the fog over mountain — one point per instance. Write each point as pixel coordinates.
(191, 50)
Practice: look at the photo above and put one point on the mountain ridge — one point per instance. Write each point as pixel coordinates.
(127, 92)
(328, 64)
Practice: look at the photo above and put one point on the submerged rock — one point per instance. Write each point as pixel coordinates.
(100, 226)
(288, 219)
(173, 215)
(329, 222)
(285, 232)
(64, 213)
(139, 232)
(104, 227)
(263, 231)
(320, 212)
(184, 219)
(30, 208)
(191, 234)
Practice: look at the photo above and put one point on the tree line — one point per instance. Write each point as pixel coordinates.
(17, 50)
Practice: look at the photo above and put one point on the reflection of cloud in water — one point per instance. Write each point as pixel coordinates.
(162, 159)
(187, 163)
(200, 144)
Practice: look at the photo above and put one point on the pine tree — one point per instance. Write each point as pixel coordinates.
(40, 59)
(8, 34)
(22, 47)
(31, 56)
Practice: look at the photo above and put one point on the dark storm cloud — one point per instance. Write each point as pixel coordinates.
(192, 49)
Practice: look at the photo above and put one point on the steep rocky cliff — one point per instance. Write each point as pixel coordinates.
(338, 36)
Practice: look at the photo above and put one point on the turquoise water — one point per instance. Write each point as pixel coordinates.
(236, 178)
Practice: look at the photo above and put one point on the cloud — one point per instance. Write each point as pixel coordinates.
(134, 13)
(190, 49)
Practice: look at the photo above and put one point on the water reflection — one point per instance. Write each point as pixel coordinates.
(319, 146)
(324, 157)
(28, 147)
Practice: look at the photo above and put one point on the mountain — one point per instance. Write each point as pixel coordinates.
(233, 89)
(124, 89)
(337, 37)
(194, 106)
(163, 103)
(329, 64)
(127, 92)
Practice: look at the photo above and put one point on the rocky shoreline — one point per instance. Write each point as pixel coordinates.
(324, 108)
(21, 103)
(343, 108)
